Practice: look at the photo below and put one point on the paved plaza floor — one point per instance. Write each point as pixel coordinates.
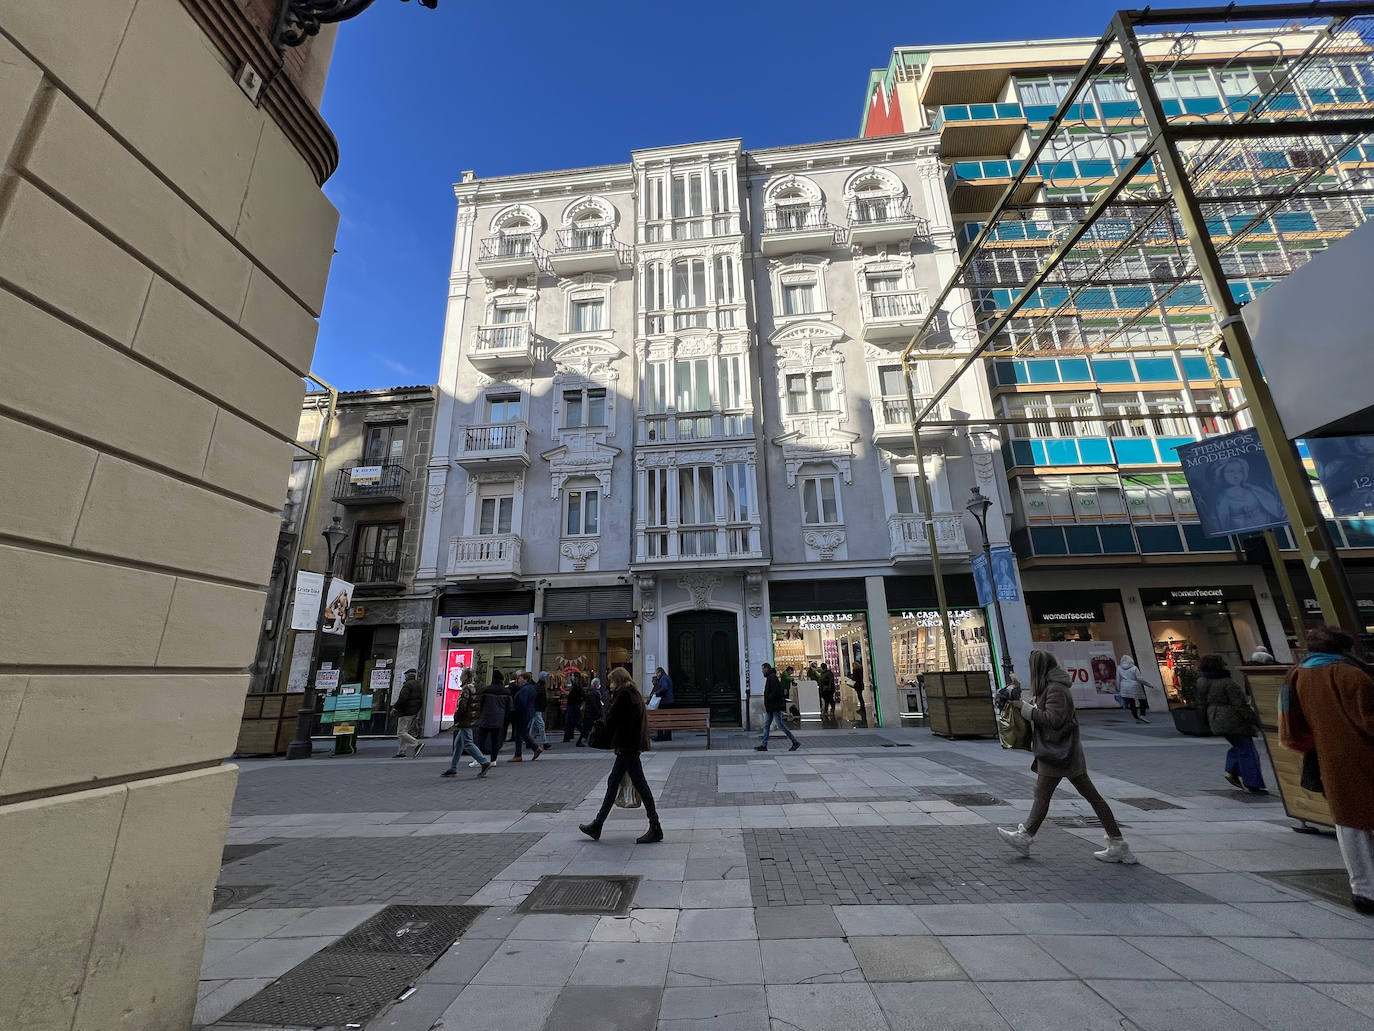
(856, 884)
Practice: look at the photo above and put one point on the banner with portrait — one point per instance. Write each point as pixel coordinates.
(1345, 467)
(338, 598)
(1232, 484)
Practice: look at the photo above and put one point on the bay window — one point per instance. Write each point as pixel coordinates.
(693, 380)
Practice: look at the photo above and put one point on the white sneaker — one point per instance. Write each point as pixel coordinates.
(1117, 851)
(1017, 839)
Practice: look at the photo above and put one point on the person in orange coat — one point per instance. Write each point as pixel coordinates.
(1328, 704)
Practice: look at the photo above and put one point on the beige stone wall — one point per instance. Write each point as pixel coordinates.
(163, 255)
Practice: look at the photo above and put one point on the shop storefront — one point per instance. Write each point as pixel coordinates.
(486, 633)
(591, 630)
(1087, 632)
(803, 641)
(1187, 623)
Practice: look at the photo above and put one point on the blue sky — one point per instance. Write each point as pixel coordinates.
(415, 96)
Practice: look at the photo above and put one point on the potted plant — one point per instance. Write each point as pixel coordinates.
(1189, 718)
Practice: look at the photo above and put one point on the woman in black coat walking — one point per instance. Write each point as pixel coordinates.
(627, 725)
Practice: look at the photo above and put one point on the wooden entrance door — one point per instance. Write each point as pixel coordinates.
(704, 662)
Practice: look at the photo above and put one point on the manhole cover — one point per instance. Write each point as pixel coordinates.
(1076, 821)
(332, 989)
(546, 807)
(1149, 803)
(233, 853)
(601, 896)
(229, 895)
(410, 929)
(975, 798)
(1331, 885)
(1249, 797)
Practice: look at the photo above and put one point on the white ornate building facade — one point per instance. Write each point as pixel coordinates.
(673, 428)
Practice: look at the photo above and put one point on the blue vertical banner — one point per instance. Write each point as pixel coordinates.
(1345, 467)
(1004, 568)
(1232, 484)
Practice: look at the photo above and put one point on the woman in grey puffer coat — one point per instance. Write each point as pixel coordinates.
(1129, 686)
(1058, 751)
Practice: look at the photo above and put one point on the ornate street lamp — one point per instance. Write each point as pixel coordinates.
(978, 505)
(298, 20)
(299, 748)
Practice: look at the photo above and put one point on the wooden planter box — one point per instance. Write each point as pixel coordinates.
(960, 704)
(269, 723)
(1264, 684)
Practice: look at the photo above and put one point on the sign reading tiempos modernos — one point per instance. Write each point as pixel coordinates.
(1232, 484)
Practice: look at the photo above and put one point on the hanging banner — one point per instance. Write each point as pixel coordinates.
(1091, 666)
(305, 610)
(1345, 467)
(1232, 484)
(340, 596)
(1004, 566)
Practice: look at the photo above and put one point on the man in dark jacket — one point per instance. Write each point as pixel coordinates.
(774, 703)
(572, 719)
(407, 712)
(465, 717)
(491, 724)
(663, 691)
(522, 711)
(538, 730)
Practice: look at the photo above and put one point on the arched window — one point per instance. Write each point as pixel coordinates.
(590, 230)
(875, 195)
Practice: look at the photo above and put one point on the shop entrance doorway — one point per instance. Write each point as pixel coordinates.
(703, 660)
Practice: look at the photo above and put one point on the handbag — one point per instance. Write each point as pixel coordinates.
(1054, 746)
(1012, 729)
(599, 736)
(655, 701)
(1311, 779)
(627, 797)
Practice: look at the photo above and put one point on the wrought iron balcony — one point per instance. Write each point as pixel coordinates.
(371, 484)
(485, 558)
(790, 228)
(509, 254)
(509, 345)
(909, 541)
(375, 571)
(588, 250)
(875, 220)
(502, 445)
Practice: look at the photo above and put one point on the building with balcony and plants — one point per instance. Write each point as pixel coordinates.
(673, 427)
(364, 460)
(1108, 365)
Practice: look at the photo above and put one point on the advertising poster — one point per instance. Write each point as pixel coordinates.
(1004, 566)
(305, 610)
(380, 680)
(1232, 484)
(1345, 467)
(459, 659)
(326, 680)
(1091, 666)
(339, 597)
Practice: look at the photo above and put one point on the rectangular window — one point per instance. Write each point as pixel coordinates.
(908, 497)
(654, 210)
(694, 194)
(798, 298)
(376, 555)
(588, 315)
(810, 392)
(796, 394)
(693, 385)
(384, 444)
(696, 493)
(823, 391)
(584, 408)
(736, 492)
(503, 407)
(679, 196)
(725, 279)
(496, 515)
(657, 514)
(728, 370)
(583, 513)
(890, 381)
(819, 504)
(508, 314)
(572, 408)
(656, 388)
(720, 191)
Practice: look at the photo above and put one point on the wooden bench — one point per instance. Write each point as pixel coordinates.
(681, 719)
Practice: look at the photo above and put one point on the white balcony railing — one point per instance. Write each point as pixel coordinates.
(892, 416)
(502, 345)
(502, 443)
(907, 534)
(894, 304)
(484, 556)
(739, 541)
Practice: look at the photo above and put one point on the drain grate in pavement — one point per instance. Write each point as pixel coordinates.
(332, 989)
(350, 982)
(230, 895)
(1149, 803)
(1331, 885)
(1248, 797)
(410, 929)
(546, 807)
(584, 896)
(233, 853)
(970, 799)
(1076, 821)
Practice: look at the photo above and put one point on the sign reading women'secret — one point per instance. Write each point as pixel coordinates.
(1345, 466)
(1232, 484)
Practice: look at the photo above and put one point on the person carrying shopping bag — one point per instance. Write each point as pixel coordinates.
(627, 732)
(1058, 751)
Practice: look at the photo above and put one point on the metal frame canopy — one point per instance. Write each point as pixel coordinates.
(1175, 224)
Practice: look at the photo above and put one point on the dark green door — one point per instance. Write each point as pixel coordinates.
(703, 660)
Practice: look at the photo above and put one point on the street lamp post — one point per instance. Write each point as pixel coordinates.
(299, 748)
(978, 505)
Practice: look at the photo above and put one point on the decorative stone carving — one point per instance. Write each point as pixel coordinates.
(566, 463)
(648, 588)
(580, 553)
(514, 212)
(699, 586)
(826, 542)
(753, 586)
(580, 207)
(792, 181)
(436, 497)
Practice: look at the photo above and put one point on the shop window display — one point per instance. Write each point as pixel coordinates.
(803, 641)
(1084, 630)
(918, 642)
(1189, 622)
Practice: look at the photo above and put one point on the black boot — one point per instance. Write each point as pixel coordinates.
(592, 830)
(653, 834)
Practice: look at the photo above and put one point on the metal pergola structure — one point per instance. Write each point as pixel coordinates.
(1160, 237)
